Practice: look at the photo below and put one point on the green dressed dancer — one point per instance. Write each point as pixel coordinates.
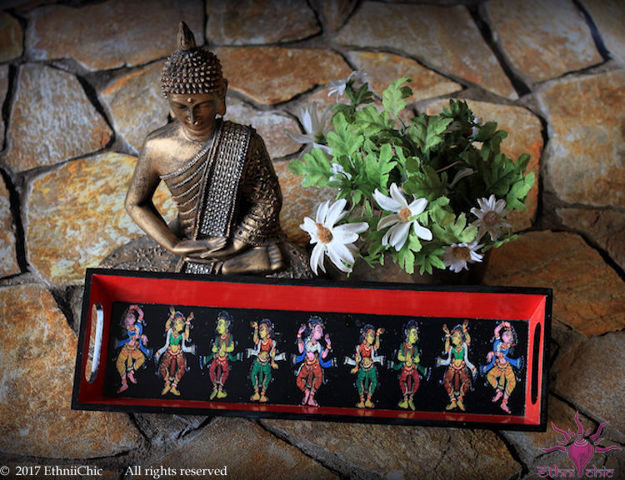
(265, 352)
(365, 359)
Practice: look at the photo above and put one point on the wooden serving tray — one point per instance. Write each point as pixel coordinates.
(407, 379)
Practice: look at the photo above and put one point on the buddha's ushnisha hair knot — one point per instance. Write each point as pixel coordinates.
(191, 69)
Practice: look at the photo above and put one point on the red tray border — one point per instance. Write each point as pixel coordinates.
(107, 285)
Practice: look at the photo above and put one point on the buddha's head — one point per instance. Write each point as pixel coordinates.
(193, 83)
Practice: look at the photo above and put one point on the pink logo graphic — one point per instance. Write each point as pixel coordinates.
(579, 447)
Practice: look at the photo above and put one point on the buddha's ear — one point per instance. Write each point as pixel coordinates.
(221, 102)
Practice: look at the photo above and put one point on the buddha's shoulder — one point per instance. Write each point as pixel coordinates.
(165, 133)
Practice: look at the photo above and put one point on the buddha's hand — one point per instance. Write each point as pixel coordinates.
(225, 251)
(198, 248)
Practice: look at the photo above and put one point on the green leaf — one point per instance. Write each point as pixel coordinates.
(344, 141)
(486, 132)
(369, 122)
(405, 259)
(393, 96)
(427, 131)
(315, 167)
(358, 97)
(429, 258)
(426, 184)
(500, 242)
(515, 200)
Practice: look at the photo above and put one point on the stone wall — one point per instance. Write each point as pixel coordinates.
(79, 89)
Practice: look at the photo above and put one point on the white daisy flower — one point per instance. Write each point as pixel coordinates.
(490, 216)
(400, 220)
(337, 242)
(474, 129)
(338, 170)
(314, 128)
(357, 77)
(458, 255)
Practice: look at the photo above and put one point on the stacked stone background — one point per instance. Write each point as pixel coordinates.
(79, 91)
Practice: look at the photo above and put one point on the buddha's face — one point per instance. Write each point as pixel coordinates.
(197, 112)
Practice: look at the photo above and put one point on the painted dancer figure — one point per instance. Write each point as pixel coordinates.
(221, 354)
(266, 356)
(313, 359)
(498, 371)
(173, 364)
(364, 364)
(409, 362)
(133, 348)
(457, 380)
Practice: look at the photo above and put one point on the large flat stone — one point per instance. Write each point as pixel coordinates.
(270, 75)
(587, 293)
(8, 258)
(254, 22)
(383, 68)
(386, 451)
(246, 450)
(136, 105)
(163, 430)
(585, 155)
(524, 136)
(445, 38)
(37, 368)
(298, 202)
(112, 34)
(70, 231)
(10, 38)
(543, 39)
(271, 125)
(52, 120)
(608, 17)
(605, 227)
(585, 375)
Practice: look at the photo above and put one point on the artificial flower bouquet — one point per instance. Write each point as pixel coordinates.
(432, 191)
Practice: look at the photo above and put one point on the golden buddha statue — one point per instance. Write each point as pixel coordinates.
(218, 172)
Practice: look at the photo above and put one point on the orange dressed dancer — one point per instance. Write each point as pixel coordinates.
(173, 364)
(134, 352)
(499, 371)
(457, 380)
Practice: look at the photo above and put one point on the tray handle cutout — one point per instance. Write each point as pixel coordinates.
(95, 342)
(536, 363)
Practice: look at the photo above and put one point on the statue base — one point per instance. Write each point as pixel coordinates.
(146, 255)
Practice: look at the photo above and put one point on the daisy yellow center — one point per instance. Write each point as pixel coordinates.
(324, 234)
(491, 218)
(462, 253)
(405, 214)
